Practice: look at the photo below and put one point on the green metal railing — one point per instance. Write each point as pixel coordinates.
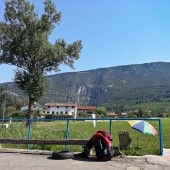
(80, 119)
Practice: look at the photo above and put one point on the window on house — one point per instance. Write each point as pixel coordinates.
(57, 113)
(66, 112)
(57, 106)
(66, 106)
(61, 112)
(43, 111)
(48, 112)
(48, 106)
(72, 106)
(52, 112)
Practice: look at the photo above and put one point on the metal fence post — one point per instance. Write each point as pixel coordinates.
(29, 132)
(160, 138)
(110, 127)
(67, 130)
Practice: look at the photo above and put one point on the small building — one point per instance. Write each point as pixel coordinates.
(112, 115)
(87, 109)
(163, 114)
(124, 114)
(60, 108)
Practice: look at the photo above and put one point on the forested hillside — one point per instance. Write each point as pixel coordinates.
(111, 87)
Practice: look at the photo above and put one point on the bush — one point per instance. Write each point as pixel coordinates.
(132, 115)
(19, 114)
(82, 115)
(57, 116)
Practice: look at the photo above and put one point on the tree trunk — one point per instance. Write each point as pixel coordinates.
(30, 111)
(30, 104)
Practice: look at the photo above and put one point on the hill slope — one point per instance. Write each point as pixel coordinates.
(109, 86)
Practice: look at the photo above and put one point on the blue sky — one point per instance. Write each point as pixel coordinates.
(113, 32)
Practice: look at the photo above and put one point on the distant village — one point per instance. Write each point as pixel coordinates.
(70, 109)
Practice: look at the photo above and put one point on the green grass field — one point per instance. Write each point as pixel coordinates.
(152, 106)
(146, 144)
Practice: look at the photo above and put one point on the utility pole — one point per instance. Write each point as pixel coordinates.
(4, 105)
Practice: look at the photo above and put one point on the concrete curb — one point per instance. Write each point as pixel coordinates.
(25, 151)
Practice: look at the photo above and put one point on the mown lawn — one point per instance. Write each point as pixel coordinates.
(141, 143)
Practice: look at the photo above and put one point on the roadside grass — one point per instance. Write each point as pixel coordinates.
(142, 144)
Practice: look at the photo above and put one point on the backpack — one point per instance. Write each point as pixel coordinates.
(101, 141)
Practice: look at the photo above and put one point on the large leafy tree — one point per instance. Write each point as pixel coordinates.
(101, 112)
(1, 100)
(24, 43)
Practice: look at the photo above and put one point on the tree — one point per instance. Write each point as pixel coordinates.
(140, 113)
(1, 100)
(1, 95)
(24, 43)
(9, 111)
(132, 115)
(101, 112)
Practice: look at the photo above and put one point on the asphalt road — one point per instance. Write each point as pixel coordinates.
(22, 160)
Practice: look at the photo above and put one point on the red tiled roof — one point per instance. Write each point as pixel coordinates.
(59, 104)
(112, 114)
(70, 105)
(86, 107)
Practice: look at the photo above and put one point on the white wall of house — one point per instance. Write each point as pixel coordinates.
(24, 108)
(66, 110)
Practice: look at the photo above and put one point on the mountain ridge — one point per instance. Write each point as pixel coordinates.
(108, 86)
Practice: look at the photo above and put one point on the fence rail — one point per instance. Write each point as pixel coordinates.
(45, 142)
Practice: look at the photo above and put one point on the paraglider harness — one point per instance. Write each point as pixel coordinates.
(101, 141)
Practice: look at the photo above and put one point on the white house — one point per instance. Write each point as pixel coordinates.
(60, 108)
